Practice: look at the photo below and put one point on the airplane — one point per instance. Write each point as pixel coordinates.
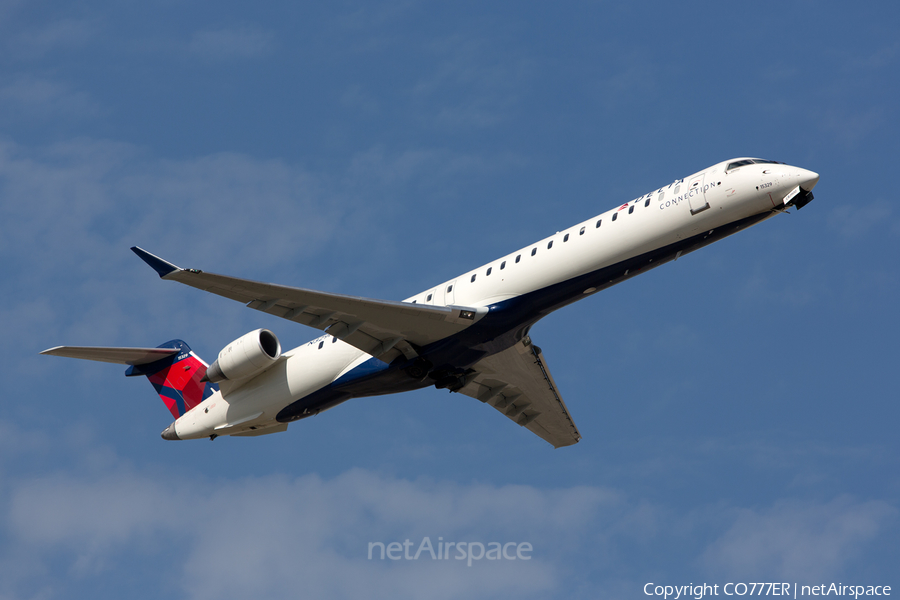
(469, 335)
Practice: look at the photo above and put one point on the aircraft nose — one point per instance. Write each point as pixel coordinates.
(808, 179)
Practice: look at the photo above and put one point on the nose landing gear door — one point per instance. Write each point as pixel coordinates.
(697, 195)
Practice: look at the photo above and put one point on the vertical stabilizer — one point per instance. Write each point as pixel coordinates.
(176, 378)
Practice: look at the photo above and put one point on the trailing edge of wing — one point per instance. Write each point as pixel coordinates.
(382, 328)
(517, 383)
(122, 356)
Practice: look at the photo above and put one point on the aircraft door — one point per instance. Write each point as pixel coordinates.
(450, 293)
(696, 195)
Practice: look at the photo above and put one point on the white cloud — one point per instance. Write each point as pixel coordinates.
(225, 43)
(197, 537)
(70, 212)
(366, 17)
(35, 97)
(262, 537)
(89, 190)
(474, 83)
(358, 98)
(761, 289)
(857, 220)
(850, 127)
(798, 541)
(62, 34)
(93, 197)
(423, 167)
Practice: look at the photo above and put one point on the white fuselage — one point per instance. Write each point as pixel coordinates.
(703, 202)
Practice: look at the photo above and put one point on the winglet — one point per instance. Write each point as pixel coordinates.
(159, 265)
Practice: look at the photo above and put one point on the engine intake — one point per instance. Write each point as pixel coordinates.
(245, 357)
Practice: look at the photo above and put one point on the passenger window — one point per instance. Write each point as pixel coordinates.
(428, 299)
(631, 209)
(449, 288)
(566, 239)
(615, 216)
(322, 343)
(581, 232)
(549, 244)
(677, 187)
(518, 256)
(503, 265)
(333, 340)
(489, 270)
(599, 221)
(533, 251)
(647, 203)
(473, 279)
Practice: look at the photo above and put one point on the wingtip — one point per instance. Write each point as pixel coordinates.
(159, 265)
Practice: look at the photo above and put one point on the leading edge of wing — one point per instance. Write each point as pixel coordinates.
(382, 328)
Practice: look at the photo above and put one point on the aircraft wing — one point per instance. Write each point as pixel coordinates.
(382, 328)
(518, 384)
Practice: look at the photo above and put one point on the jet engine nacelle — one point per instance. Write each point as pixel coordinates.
(245, 357)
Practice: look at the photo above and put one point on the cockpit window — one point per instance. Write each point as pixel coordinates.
(750, 161)
(738, 164)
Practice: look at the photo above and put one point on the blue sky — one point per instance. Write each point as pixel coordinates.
(738, 407)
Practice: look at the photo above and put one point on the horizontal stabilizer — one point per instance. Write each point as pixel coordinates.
(174, 371)
(122, 356)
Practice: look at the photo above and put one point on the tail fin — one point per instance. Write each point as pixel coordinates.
(172, 368)
(176, 378)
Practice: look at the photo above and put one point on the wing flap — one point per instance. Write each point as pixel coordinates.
(385, 329)
(517, 383)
